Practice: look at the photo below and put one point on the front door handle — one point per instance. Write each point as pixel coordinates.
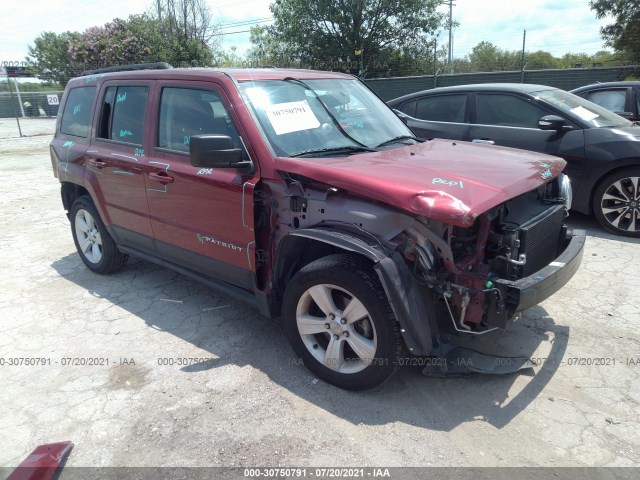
(483, 140)
(94, 162)
(161, 177)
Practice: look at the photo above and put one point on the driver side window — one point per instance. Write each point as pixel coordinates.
(188, 111)
(508, 111)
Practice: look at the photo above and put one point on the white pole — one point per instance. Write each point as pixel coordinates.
(19, 99)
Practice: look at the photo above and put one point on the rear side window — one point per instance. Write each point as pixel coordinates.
(409, 108)
(122, 116)
(442, 108)
(613, 100)
(77, 110)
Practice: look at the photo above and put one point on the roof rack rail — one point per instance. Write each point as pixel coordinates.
(125, 68)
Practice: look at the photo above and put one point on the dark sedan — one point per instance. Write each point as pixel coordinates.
(602, 149)
(622, 98)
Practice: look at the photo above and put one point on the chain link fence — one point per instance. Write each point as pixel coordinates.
(27, 109)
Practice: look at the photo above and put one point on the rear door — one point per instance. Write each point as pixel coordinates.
(116, 159)
(439, 116)
(202, 218)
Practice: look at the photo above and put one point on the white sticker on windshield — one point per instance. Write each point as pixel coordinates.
(584, 114)
(291, 117)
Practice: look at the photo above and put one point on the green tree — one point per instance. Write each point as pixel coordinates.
(188, 30)
(228, 58)
(119, 42)
(541, 60)
(267, 50)
(331, 33)
(49, 56)
(573, 60)
(624, 33)
(486, 57)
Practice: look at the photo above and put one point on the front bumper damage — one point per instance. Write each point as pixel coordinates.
(519, 295)
(414, 303)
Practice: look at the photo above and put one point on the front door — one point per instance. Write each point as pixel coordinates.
(512, 121)
(202, 218)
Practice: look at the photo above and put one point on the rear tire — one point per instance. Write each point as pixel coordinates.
(97, 249)
(339, 321)
(616, 202)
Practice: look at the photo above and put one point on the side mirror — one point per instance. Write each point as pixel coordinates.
(216, 151)
(552, 122)
(402, 116)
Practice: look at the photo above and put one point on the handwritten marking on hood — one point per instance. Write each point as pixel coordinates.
(450, 183)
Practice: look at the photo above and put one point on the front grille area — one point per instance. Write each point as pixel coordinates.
(540, 239)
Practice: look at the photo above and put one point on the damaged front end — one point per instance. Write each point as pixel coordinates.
(443, 279)
(514, 256)
(448, 267)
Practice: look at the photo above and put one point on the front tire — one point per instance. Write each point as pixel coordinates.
(97, 249)
(339, 321)
(616, 202)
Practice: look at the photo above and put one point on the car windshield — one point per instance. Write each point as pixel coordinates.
(323, 117)
(590, 113)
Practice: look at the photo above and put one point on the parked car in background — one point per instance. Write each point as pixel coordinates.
(602, 149)
(622, 98)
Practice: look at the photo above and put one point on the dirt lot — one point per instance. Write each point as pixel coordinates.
(250, 402)
(28, 127)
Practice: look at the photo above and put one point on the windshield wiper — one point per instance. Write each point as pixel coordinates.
(398, 138)
(346, 148)
(326, 109)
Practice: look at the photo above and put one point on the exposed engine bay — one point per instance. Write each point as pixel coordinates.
(511, 241)
(458, 265)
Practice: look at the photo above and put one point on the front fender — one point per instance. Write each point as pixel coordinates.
(412, 304)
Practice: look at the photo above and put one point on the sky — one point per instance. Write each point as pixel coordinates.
(557, 26)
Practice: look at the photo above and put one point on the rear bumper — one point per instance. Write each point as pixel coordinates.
(519, 295)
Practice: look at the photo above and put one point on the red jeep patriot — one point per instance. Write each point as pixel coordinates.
(304, 194)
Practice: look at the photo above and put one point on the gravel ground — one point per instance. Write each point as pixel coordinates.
(28, 127)
(249, 402)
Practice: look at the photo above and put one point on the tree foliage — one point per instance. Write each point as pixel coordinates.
(49, 56)
(188, 31)
(624, 33)
(181, 32)
(267, 50)
(355, 32)
(485, 55)
(135, 40)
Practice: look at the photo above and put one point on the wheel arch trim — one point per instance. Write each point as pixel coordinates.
(407, 299)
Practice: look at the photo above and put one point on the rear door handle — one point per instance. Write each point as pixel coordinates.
(161, 177)
(94, 162)
(483, 140)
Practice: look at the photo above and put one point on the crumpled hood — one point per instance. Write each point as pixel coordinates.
(452, 182)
